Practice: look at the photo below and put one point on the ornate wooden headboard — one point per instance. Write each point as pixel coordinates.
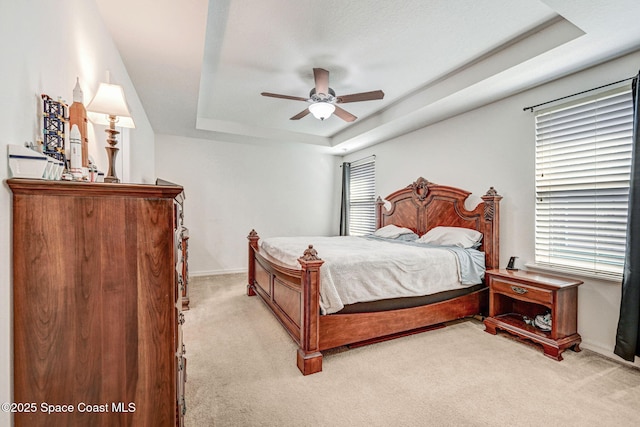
(424, 205)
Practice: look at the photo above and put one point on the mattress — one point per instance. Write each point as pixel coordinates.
(362, 270)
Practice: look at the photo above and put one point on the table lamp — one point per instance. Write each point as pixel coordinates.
(110, 107)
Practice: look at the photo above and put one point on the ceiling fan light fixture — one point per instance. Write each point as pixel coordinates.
(322, 110)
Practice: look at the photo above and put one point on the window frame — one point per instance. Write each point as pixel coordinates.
(608, 245)
(362, 197)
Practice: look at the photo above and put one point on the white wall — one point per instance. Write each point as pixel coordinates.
(44, 46)
(233, 188)
(494, 146)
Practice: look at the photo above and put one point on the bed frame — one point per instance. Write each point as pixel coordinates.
(293, 294)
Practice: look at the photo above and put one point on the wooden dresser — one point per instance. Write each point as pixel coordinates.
(96, 305)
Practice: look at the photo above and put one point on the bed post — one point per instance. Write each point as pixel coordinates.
(379, 207)
(253, 246)
(309, 358)
(491, 219)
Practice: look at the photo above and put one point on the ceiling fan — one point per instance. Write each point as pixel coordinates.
(323, 99)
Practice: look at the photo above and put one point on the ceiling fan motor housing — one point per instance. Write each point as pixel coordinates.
(322, 97)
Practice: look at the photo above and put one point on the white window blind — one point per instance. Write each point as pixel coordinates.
(362, 203)
(583, 165)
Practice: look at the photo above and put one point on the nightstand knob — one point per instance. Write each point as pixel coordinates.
(518, 290)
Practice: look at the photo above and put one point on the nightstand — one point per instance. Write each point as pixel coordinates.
(515, 295)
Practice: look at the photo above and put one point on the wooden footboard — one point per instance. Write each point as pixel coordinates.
(293, 296)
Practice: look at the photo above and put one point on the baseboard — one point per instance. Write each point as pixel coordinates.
(216, 272)
(608, 353)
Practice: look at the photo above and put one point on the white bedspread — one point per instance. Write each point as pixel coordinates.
(358, 269)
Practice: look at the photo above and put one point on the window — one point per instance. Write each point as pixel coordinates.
(362, 197)
(583, 165)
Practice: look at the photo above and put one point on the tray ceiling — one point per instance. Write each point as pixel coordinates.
(199, 66)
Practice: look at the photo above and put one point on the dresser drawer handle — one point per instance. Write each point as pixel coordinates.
(518, 290)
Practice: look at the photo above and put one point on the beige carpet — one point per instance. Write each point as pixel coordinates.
(242, 372)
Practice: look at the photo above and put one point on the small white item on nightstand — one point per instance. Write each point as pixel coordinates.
(26, 163)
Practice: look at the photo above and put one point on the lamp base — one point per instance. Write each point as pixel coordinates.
(112, 152)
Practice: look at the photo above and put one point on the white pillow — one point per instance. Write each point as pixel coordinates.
(452, 236)
(391, 231)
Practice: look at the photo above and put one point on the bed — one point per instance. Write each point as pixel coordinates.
(293, 293)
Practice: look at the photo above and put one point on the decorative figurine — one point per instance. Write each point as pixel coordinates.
(78, 116)
(75, 156)
(54, 115)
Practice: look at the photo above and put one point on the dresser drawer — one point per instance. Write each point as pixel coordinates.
(522, 291)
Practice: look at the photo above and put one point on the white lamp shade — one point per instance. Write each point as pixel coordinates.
(322, 110)
(109, 101)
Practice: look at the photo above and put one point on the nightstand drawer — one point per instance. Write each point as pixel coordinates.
(522, 292)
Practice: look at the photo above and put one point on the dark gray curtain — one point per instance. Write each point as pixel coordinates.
(628, 335)
(344, 205)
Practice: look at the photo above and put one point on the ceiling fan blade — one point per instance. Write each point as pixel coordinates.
(300, 115)
(364, 96)
(275, 95)
(321, 77)
(344, 115)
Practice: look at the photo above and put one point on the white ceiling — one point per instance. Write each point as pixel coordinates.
(199, 66)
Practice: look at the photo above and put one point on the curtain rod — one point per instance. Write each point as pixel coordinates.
(575, 94)
(362, 159)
